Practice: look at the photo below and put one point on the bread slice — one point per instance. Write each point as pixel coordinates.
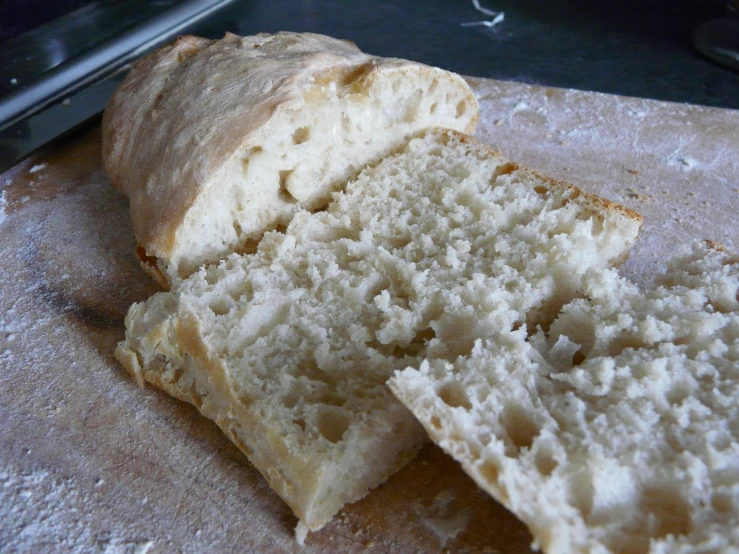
(619, 432)
(216, 142)
(288, 350)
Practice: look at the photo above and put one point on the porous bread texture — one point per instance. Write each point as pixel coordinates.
(617, 432)
(217, 142)
(288, 349)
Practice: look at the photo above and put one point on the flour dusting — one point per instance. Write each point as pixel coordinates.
(3, 206)
(446, 518)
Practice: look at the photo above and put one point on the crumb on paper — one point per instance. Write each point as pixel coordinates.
(38, 167)
(633, 171)
(631, 193)
(13, 81)
(66, 101)
(497, 17)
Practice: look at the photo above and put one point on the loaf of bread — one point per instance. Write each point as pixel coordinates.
(288, 349)
(618, 431)
(216, 142)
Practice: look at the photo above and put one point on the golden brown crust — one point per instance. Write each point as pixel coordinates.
(150, 265)
(596, 202)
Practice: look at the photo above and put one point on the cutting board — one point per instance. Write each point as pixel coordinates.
(89, 462)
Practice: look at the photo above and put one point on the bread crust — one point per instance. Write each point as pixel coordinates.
(186, 109)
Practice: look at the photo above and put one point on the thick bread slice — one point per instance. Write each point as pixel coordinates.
(289, 349)
(618, 433)
(217, 142)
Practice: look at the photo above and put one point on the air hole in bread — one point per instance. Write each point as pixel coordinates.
(237, 228)
(301, 135)
(669, 509)
(249, 246)
(433, 108)
(541, 189)
(220, 306)
(623, 342)
(300, 422)
(332, 424)
(578, 358)
(195, 397)
(284, 193)
(581, 491)
(544, 460)
(454, 395)
(247, 156)
(411, 112)
(435, 423)
(519, 426)
(461, 108)
(490, 472)
(678, 393)
(722, 502)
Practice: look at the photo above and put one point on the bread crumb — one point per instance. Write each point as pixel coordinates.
(633, 171)
(301, 532)
(638, 195)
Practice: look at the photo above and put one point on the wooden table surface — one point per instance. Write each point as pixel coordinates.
(91, 463)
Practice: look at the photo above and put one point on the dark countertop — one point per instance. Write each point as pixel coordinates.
(639, 48)
(636, 48)
(631, 47)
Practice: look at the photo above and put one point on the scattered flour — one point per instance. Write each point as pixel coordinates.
(3, 206)
(35, 509)
(444, 517)
(682, 162)
(38, 167)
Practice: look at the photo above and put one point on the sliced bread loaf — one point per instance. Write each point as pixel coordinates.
(217, 142)
(619, 432)
(288, 349)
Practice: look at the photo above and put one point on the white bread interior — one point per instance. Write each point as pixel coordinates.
(288, 349)
(616, 432)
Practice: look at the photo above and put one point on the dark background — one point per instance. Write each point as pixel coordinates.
(637, 48)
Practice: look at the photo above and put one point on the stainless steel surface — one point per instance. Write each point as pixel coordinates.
(74, 84)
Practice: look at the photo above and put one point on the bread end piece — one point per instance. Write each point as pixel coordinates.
(217, 142)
